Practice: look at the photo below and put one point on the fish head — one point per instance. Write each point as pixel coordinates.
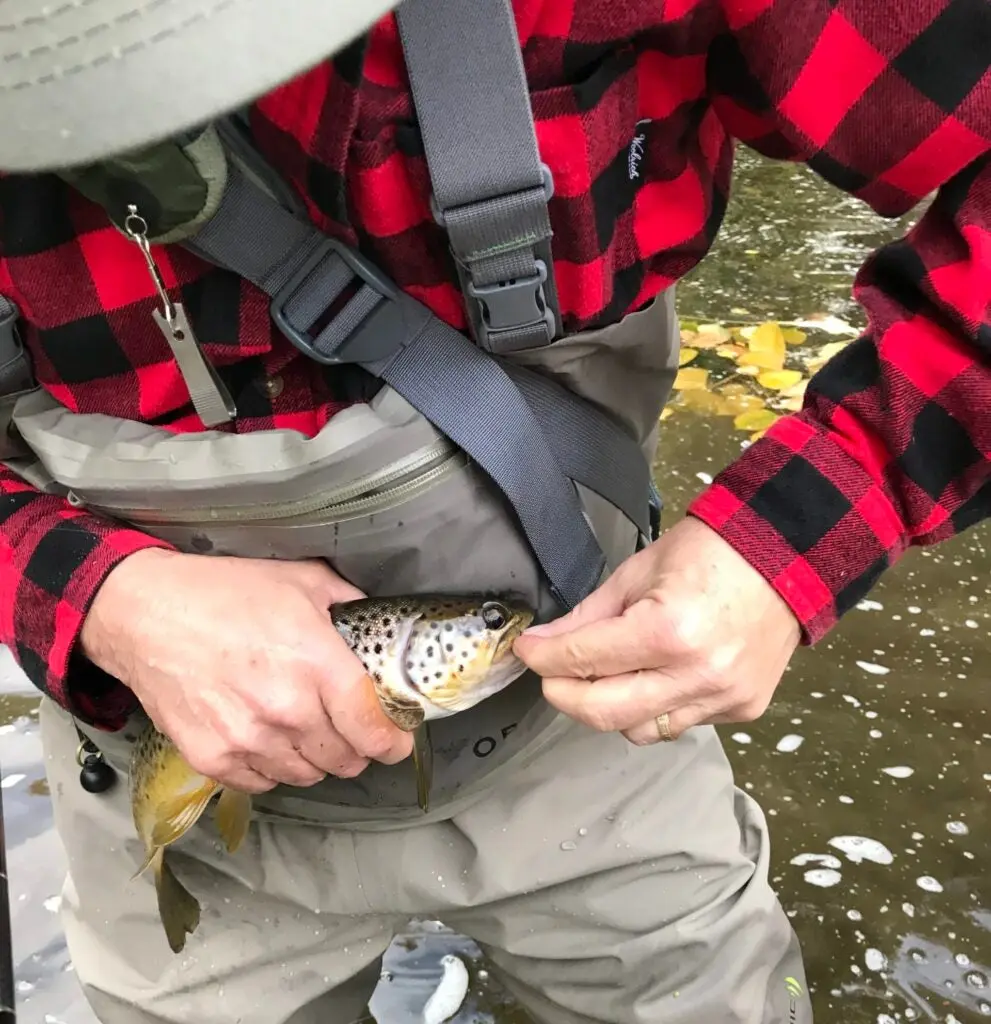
(460, 652)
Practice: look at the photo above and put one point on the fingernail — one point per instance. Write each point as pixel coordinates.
(541, 630)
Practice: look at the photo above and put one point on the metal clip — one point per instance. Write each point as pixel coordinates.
(210, 397)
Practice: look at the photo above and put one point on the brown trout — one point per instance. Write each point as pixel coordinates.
(428, 656)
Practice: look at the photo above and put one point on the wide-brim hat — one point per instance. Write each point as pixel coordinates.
(83, 79)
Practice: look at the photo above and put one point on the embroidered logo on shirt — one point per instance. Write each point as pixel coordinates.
(635, 154)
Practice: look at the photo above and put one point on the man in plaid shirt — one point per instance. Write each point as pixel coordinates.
(667, 914)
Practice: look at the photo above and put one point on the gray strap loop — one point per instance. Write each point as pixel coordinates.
(490, 188)
(530, 435)
(16, 377)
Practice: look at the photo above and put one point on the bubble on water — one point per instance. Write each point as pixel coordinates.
(846, 799)
(875, 734)
(917, 956)
(962, 960)
(900, 771)
(386, 976)
(875, 960)
(957, 828)
(851, 700)
(870, 714)
(860, 848)
(873, 668)
(569, 844)
(11, 780)
(826, 860)
(870, 606)
(704, 477)
(928, 883)
(976, 980)
(970, 624)
(855, 915)
(790, 743)
(824, 878)
(908, 909)
(885, 1018)
(984, 1008)
(742, 737)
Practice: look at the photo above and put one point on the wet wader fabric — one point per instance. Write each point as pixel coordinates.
(659, 912)
(517, 460)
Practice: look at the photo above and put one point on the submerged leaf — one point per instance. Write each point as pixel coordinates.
(686, 355)
(778, 380)
(764, 360)
(705, 401)
(756, 419)
(793, 336)
(736, 404)
(691, 379)
(711, 335)
(730, 351)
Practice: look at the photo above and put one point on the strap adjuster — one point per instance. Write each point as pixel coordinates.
(379, 319)
(514, 314)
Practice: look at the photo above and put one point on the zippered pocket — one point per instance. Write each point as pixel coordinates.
(378, 491)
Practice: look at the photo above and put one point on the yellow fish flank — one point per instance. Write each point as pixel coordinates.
(428, 656)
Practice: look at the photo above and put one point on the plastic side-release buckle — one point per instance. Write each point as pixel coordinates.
(514, 314)
(391, 320)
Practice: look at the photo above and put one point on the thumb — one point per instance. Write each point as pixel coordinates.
(324, 585)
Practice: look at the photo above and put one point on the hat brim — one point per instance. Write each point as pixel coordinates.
(82, 81)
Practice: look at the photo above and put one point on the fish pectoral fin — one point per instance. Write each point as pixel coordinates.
(176, 816)
(177, 907)
(233, 816)
(423, 763)
(152, 854)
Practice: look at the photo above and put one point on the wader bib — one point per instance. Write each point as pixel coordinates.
(515, 459)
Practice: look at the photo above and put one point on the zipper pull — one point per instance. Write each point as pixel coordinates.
(211, 399)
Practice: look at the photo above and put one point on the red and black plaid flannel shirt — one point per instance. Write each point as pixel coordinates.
(887, 99)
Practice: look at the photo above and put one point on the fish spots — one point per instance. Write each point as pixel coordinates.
(377, 648)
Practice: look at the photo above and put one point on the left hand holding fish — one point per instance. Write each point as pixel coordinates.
(685, 628)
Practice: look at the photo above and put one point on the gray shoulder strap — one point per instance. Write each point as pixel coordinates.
(531, 436)
(490, 188)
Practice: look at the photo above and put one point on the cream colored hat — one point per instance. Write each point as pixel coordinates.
(82, 79)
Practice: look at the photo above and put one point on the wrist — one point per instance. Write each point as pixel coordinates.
(118, 600)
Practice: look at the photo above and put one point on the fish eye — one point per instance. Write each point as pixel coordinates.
(494, 615)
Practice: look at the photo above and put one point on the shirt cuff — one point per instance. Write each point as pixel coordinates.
(804, 513)
(66, 568)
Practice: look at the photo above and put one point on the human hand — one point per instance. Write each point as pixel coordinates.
(237, 661)
(686, 627)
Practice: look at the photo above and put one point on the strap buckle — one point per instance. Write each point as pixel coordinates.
(514, 313)
(379, 319)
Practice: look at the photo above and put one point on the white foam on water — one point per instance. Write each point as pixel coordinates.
(908, 909)
(957, 828)
(900, 771)
(875, 960)
(870, 606)
(873, 668)
(851, 700)
(790, 743)
(827, 860)
(846, 799)
(928, 883)
(875, 734)
(11, 780)
(704, 477)
(861, 848)
(824, 878)
(742, 737)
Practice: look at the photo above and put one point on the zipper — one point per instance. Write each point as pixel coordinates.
(373, 492)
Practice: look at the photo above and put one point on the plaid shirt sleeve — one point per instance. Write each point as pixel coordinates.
(890, 102)
(53, 559)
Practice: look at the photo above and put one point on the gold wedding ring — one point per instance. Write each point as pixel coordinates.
(664, 727)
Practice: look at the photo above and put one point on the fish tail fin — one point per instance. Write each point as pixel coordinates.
(152, 854)
(233, 816)
(177, 907)
(423, 763)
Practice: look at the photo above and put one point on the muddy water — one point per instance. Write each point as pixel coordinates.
(874, 763)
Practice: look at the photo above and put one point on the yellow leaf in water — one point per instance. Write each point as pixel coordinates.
(756, 419)
(688, 337)
(711, 335)
(686, 355)
(768, 338)
(763, 360)
(750, 371)
(796, 390)
(757, 435)
(793, 336)
(736, 404)
(666, 412)
(791, 404)
(778, 380)
(733, 389)
(691, 379)
(730, 351)
(704, 401)
(746, 332)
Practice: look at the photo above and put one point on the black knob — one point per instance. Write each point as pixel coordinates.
(96, 775)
